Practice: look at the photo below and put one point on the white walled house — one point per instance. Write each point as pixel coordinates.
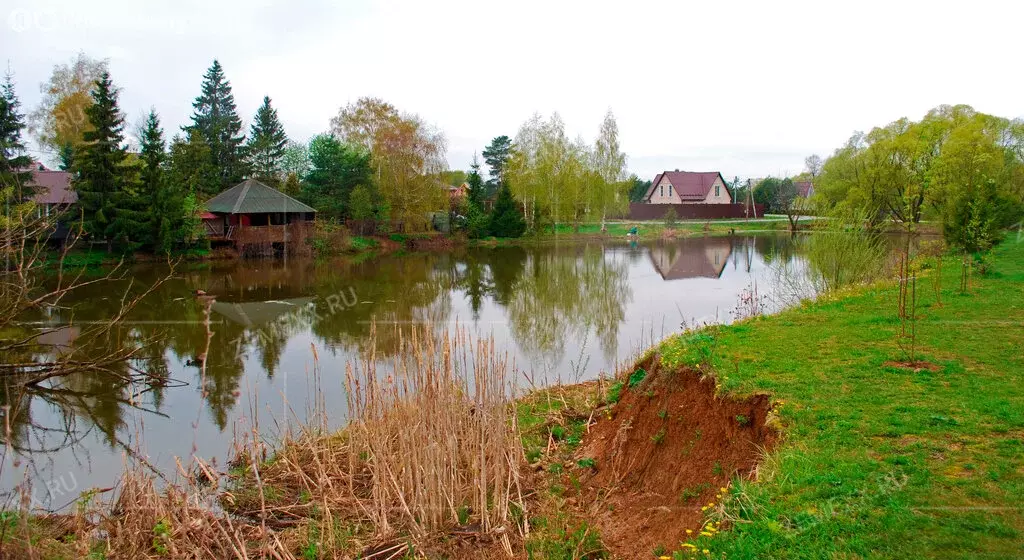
(688, 187)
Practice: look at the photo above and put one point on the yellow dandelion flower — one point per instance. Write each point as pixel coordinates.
(703, 508)
(688, 545)
(724, 489)
(689, 531)
(705, 534)
(664, 558)
(706, 551)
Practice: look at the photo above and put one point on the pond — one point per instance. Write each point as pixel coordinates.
(563, 312)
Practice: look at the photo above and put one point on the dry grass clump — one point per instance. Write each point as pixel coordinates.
(140, 521)
(431, 447)
(176, 523)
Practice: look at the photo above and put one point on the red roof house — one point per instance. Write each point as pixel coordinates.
(688, 187)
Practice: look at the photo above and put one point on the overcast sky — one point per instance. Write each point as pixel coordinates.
(745, 88)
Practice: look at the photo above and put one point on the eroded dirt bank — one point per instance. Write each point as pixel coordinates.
(664, 451)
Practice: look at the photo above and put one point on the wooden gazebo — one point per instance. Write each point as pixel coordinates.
(256, 218)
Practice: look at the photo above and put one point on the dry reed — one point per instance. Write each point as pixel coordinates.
(431, 446)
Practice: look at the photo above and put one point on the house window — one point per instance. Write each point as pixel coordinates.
(670, 190)
(718, 190)
(662, 190)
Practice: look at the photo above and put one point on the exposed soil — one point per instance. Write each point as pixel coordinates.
(669, 447)
(916, 366)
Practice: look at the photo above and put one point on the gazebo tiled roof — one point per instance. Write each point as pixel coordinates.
(253, 197)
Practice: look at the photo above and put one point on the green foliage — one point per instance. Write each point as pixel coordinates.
(587, 463)
(911, 170)
(615, 392)
(161, 534)
(216, 119)
(506, 218)
(844, 253)
(976, 217)
(14, 159)
(336, 169)
(295, 160)
(638, 188)
(659, 437)
(360, 203)
(671, 218)
(478, 223)
(476, 195)
(691, 493)
(742, 420)
(163, 200)
(191, 166)
(266, 147)
(637, 377)
(560, 539)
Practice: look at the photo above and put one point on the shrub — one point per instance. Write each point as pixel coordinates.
(671, 218)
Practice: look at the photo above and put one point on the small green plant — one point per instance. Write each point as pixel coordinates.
(614, 392)
(716, 469)
(587, 463)
(658, 437)
(663, 414)
(742, 420)
(555, 468)
(659, 550)
(463, 513)
(693, 492)
(533, 454)
(670, 218)
(636, 377)
(557, 433)
(161, 533)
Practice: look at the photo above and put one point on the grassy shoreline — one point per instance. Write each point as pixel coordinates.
(881, 460)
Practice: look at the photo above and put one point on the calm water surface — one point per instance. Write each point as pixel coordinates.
(563, 312)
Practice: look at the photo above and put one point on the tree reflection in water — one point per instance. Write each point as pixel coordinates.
(556, 303)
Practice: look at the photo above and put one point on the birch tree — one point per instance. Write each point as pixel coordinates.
(612, 194)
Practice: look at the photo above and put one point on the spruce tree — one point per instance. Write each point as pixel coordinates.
(476, 184)
(477, 221)
(266, 147)
(99, 166)
(216, 119)
(164, 196)
(191, 166)
(14, 160)
(506, 219)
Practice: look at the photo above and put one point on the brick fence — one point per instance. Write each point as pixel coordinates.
(641, 211)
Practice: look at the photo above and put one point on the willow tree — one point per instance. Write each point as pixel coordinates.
(407, 157)
(910, 170)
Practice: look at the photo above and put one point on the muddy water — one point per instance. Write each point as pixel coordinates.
(563, 312)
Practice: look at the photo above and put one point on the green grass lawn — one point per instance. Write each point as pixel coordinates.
(879, 461)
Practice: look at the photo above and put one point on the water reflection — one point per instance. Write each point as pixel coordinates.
(559, 310)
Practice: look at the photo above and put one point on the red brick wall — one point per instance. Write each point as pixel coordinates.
(640, 211)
